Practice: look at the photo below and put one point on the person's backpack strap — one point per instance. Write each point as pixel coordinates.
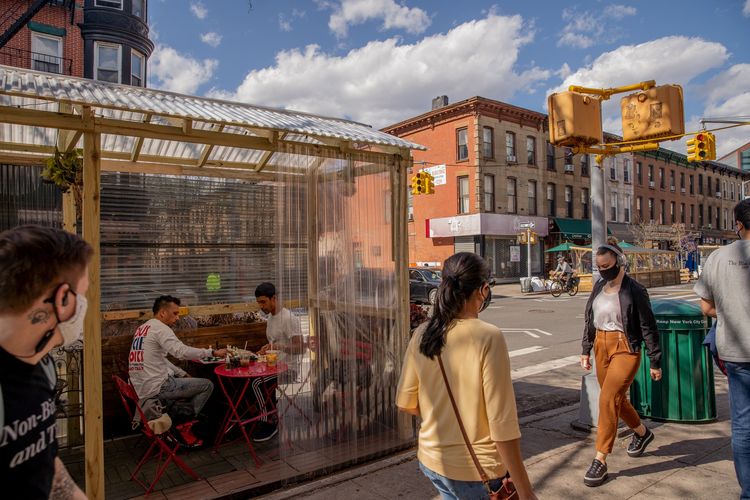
(2, 413)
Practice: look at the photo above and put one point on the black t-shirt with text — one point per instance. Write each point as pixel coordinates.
(28, 443)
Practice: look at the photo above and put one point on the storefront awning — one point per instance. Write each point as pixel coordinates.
(622, 232)
(575, 229)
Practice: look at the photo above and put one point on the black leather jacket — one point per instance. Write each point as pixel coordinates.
(637, 319)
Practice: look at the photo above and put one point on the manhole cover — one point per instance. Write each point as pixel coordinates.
(542, 311)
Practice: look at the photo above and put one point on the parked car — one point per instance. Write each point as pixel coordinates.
(423, 284)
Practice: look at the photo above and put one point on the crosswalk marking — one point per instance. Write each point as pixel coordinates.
(526, 350)
(552, 364)
(531, 332)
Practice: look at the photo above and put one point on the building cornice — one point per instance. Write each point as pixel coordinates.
(474, 106)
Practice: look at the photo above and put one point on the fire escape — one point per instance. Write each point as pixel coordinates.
(15, 19)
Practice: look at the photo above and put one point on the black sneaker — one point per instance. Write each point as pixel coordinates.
(265, 432)
(596, 474)
(638, 444)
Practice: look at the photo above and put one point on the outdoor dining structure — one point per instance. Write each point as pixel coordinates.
(205, 199)
(651, 267)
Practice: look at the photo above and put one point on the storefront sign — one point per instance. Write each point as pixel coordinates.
(438, 174)
(515, 254)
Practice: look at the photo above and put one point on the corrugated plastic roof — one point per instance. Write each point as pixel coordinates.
(129, 102)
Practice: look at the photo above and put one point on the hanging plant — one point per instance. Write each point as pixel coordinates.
(65, 170)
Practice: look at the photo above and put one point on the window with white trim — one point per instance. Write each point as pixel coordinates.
(626, 208)
(137, 65)
(46, 53)
(489, 193)
(511, 192)
(107, 62)
(613, 207)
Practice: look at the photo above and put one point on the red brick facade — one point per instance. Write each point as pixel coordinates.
(17, 52)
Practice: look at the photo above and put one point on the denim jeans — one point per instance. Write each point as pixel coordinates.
(739, 405)
(197, 390)
(451, 489)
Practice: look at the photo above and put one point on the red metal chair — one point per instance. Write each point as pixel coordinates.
(166, 444)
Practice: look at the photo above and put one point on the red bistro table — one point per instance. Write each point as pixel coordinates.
(241, 411)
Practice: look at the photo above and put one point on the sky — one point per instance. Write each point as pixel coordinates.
(382, 61)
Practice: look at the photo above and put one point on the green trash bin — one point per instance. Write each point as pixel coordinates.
(686, 391)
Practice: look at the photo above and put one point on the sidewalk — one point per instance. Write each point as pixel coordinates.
(684, 461)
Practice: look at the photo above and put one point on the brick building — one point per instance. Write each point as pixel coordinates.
(670, 190)
(50, 41)
(99, 39)
(494, 168)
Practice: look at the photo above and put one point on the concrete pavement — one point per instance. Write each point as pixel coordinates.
(684, 462)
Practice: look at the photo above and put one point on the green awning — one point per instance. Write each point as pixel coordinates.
(575, 229)
(565, 247)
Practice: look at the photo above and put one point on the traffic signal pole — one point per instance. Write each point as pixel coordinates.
(588, 411)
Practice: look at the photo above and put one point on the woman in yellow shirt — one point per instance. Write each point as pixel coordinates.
(477, 367)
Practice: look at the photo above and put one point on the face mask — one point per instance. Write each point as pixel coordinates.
(611, 273)
(487, 300)
(72, 329)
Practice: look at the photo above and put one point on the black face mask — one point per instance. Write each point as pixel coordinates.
(611, 273)
(487, 300)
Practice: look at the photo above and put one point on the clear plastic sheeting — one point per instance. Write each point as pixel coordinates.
(337, 401)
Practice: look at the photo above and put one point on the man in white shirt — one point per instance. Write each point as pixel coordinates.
(284, 334)
(152, 374)
(564, 270)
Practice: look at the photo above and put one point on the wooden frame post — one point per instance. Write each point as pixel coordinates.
(92, 339)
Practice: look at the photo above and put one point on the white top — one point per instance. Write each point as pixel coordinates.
(607, 312)
(148, 366)
(280, 328)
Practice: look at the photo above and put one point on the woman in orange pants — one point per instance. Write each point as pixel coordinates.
(618, 320)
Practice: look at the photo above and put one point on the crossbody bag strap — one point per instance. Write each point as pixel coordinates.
(482, 474)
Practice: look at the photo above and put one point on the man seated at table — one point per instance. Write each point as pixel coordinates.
(284, 334)
(152, 374)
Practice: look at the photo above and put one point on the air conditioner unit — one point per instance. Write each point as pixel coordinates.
(682, 190)
(651, 184)
(570, 168)
(511, 158)
(710, 226)
(671, 188)
(718, 194)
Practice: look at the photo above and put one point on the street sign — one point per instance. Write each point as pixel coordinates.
(527, 225)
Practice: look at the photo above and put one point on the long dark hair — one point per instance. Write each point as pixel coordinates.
(463, 273)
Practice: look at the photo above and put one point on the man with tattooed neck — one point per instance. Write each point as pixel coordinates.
(43, 283)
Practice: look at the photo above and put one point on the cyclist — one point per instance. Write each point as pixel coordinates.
(563, 271)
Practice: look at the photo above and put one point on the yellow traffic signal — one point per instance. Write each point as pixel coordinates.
(711, 146)
(429, 183)
(418, 183)
(699, 148)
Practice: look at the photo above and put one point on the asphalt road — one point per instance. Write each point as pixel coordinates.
(544, 341)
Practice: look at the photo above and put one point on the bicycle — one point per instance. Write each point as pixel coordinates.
(556, 286)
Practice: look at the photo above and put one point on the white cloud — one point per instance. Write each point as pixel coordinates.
(746, 9)
(199, 10)
(585, 29)
(348, 13)
(729, 98)
(211, 38)
(387, 81)
(673, 59)
(178, 72)
(285, 22)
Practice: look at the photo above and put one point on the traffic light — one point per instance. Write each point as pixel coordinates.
(711, 146)
(429, 183)
(416, 184)
(702, 147)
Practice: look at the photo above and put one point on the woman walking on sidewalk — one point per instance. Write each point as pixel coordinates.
(456, 377)
(618, 319)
